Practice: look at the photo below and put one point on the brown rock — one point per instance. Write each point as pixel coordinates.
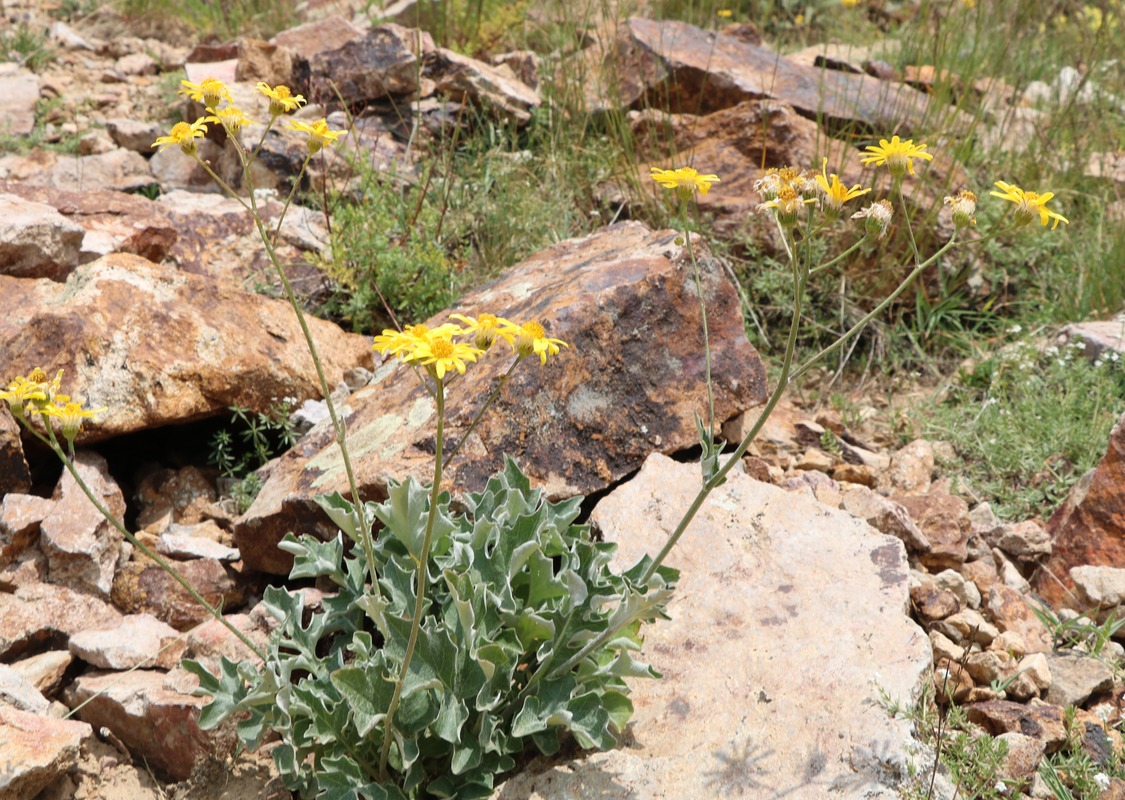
(313, 38)
(166, 496)
(14, 473)
(497, 90)
(982, 573)
(1022, 761)
(20, 89)
(612, 296)
(859, 474)
(911, 470)
(886, 516)
(36, 614)
(1075, 677)
(133, 134)
(263, 61)
(944, 521)
(1024, 541)
(141, 587)
(138, 640)
(381, 63)
(37, 750)
(157, 346)
(112, 222)
(155, 723)
(932, 602)
(35, 240)
(45, 671)
(1089, 528)
(1037, 719)
(20, 517)
(81, 545)
(118, 169)
(952, 683)
(989, 666)
(1010, 611)
(677, 66)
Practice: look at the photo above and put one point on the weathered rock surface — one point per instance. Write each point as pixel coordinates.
(630, 383)
(1103, 587)
(141, 587)
(496, 89)
(733, 714)
(20, 89)
(17, 691)
(15, 476)
(37, 750)
(157, 724)
(1039, 720)
(383, 62)
(36, 241)
(1076, 676)
(1089, 528)
(886, 516)
(944, 521)
(82, 547)
(111, 222)
(138, 640)
(674, 65)
(35, 615)
(157, 346)
(45, 671)
(117, 169)
(1101, 337)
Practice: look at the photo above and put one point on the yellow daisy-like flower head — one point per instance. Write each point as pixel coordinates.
(1029, 204)
(878, 218)
(834, 194)
(184, 135)
(70, 415)
(439, 354)
(685, 180)
(787, 206)
(282, 100)
(20, 392)
(230, 117)
(725, 13)
(897, 155)
(964, 208)
(209, 91)
(531, 339)
(849, 3)
(487, 328)
(318, 132)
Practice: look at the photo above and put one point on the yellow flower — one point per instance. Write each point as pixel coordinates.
(282, 100)
(725, 13)
(184, 135)
(404, 343)
(70, 415)
(964, 206)
(849, 3)
(878, 218)
(209, 91)
(230, 118)
(684, 180)
(487, 329)
(21, 391)
(318, 133)
(897, 155)
(531, 338)
(439, 354)
(787, 206)
(1029, 204)
(834, 194)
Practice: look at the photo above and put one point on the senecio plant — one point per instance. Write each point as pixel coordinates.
(453, 639)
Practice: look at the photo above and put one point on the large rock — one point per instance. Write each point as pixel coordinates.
(494, 88)
(109, 221)
(158, 346)
(142, 587)
(771, 683)
(117, 169)
(674, 65)
(15, 476)
(37, 750)
(1089, 528)
(36, 241)
(630, 383)
(20, 89)
(36, 615)
(385, 61)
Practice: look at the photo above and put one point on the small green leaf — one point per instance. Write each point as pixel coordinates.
(341, 511)
(367, 690)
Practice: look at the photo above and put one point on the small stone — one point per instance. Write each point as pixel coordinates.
(983, 518)
(20, 90)
(1010, 612)
(1009, 573)
(17, 691)
(1103, 587)
(20, 517)
(1037, 719)
(141, 587)
(955, 582)
(1076, 676)
(182, 546)
(1026, 541)
(1022, 760)
(932, 602)
(945, 648)
(133, 134)
(36, 241)
(988, 666)
(951, 682)
(911, 470)
(855, 473)
(944, 521)
(885, 516)
(968, 626)
(1010, 642)
(982, 573)
(45, 671)
(138, 640)
(815, 460)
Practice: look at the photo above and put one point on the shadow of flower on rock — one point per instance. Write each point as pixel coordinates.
(740, 769)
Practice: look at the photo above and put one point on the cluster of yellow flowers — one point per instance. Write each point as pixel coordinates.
(212, 93)
(451, 346)
(787, 191)
(36, 395)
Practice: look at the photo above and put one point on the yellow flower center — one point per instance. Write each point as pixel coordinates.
(442, 348)
(533, 330)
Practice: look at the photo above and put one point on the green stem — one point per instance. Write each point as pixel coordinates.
(874, 312)
(906, 217)
(137, 543)
(718, 478)
(838, 258)
(703, 319)
(420, 593)
(488, 401)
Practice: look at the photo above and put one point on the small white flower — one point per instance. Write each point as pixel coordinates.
(1015, 329)
(1000, 787)
(1102, 780)
(1051, 351)
(1103, 711)
(1081, 346)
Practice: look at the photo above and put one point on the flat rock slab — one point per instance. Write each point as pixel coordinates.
(674, 65)
(1100, 337)
(788, 621)
(629, 384)
(20, 89)
(36, 751)
(158, 346)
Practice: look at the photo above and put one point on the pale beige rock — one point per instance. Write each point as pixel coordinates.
(968, 626)
(45, 671)
(955, 582)
(1101, 337)
(178, 545)
(20, 89)
(727, 695)
(133, 134)
(138, 640)
(37, 750)
(118, 169)
(988, 666)
(17, 691)
(1037, 669)
(1010, 611)
(945, 648)
(1096, 586)
(1010, 642)
(36, 613)
(496, 89)
(157, 346)
(911, 470)
(1010, 575)
(20, 517)
(82, 548)
(36, 241)
(886, 516)
(1075, 676)
(1025, 541)
(815, 460)
(1022, 760)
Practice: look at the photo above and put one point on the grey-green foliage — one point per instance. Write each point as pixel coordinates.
(515, 590)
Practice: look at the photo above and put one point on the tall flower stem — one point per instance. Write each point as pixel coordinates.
(703, 318)
(423, 561)
(503, 379)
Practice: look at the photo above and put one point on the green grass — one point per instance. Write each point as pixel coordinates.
(228, 19)
(27, 46)
(1028, 424)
